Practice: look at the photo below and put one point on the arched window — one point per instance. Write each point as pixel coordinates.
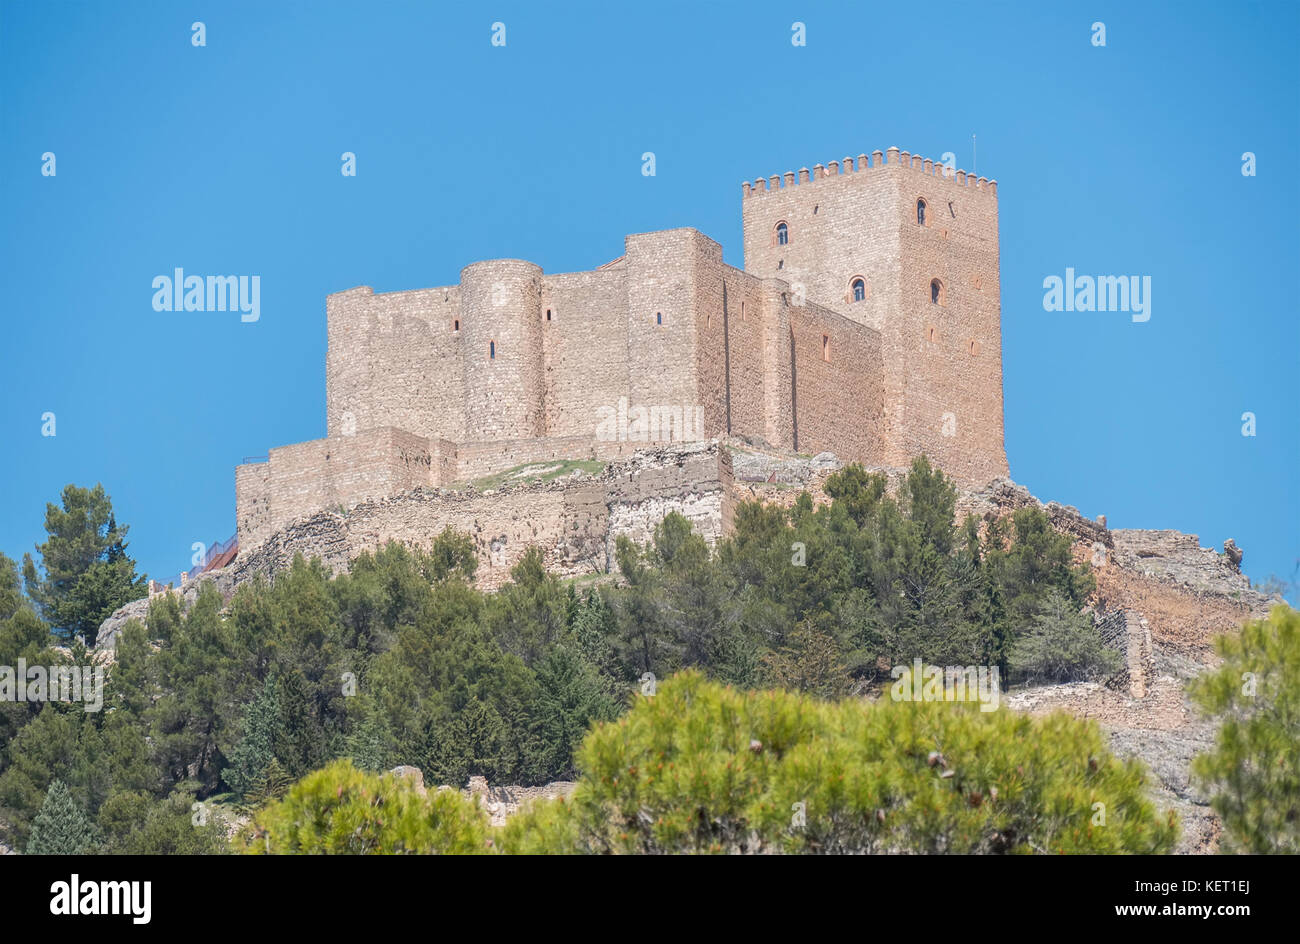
(782, 234)
(659, 317)
(859, 290)
(936, 292)
(920, 212)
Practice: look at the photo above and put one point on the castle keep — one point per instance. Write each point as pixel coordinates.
(866, 322)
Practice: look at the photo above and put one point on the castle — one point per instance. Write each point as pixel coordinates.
(866, 322)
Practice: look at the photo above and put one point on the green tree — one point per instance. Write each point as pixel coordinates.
(256, 746)
(809, 662)
(344, 811)
(570, 698)
(86, 571)
(703, 768)
(1253, 772)
(62, 827)
(1062, 645)
(134, 823)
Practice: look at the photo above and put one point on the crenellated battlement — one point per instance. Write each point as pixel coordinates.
(891, 158)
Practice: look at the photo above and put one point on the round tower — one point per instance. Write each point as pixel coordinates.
(501, 315)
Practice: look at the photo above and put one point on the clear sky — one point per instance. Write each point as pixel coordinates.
(1117, 160)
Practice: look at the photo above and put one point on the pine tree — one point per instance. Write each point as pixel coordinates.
(1254, 770)
(87, 573)
(61, 827)
(256, 748)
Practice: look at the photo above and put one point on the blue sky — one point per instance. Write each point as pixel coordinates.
(1122, 160)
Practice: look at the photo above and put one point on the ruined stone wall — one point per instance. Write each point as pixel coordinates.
(1129, 634)
(327, 473)
(574, 520)
(1188, 594)
(692, 479)
(394, 360)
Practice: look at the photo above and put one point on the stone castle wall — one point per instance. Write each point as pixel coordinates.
(512, 366)
(574, 520)
(941, 362)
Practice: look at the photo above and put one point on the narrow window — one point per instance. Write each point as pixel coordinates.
(920, 212)
(492, 350)
(826, 348)
(742, 311)
(455, 325)
(859, 290)
(548, 314)
(936, 291)
(974, 346)
(929, 333)
(659, 317)
(782, 234)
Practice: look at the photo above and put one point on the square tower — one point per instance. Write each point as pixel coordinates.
(909, 248)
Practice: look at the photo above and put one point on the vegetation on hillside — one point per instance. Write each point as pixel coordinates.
(1253, 772)
(403, 661)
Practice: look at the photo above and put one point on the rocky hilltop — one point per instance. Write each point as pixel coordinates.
(1160, 599)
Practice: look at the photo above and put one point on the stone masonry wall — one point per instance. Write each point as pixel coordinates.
(574, 520)
(394, 359)
(942, 378)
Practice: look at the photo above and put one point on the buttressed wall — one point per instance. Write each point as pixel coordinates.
(669, 343)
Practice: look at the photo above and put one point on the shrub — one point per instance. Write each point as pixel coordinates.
(700, 767)
(1253, 772)
(340, 810)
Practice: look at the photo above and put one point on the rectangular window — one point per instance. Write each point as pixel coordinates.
(492, 350)
(826, 348)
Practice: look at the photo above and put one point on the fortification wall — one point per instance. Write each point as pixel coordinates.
(836, 382)
(501, 347)
(664, 311)
(584, 332)
(575, 520)
(394, 359)
(942, 376)
(840, 224)
(729, 356)
(254, 521)
(943, 360)
(328, 473)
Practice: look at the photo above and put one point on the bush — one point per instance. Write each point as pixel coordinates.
(700, 767)
(340, 810)
(1062, 645)
(1253, 772)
